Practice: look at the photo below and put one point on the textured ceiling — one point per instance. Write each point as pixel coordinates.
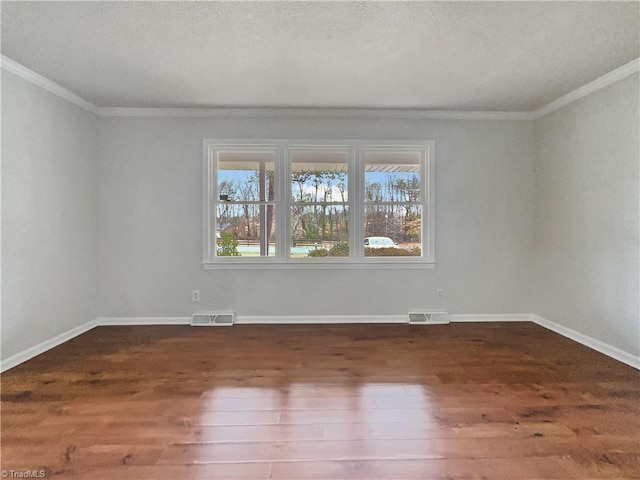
(509, 56)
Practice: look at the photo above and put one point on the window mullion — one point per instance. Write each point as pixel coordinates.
(356, 205)
(283, 204)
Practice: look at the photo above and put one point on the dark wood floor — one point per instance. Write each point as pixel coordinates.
(461, 401)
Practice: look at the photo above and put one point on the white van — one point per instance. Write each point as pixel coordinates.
(379, 242)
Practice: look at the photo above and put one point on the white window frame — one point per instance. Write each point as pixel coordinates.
(283, 202)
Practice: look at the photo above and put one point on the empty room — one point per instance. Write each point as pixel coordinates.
(320, 240)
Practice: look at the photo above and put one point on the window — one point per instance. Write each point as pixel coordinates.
(392, 202)
(318, 204)
(319, 215)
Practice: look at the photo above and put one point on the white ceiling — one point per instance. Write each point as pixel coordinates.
(491, 56)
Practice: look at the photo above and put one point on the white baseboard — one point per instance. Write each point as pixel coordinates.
(613, 352)
(36, 350)
(501, 317)
(315, 319)
(124, 321)
(605, 348)
(310, 319)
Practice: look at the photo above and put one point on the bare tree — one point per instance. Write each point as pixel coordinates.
(248, 190)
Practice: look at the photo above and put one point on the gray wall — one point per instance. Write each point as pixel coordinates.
(151, 233)
(586, 233)
(102, 217)
(49, 215)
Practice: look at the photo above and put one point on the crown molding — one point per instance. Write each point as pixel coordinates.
(618, 74)
(35, 78)
(269, 112)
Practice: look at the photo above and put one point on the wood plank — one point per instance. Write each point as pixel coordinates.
(255, 433)
(556, 468)
(226, 471)
(430, 448)
(510, 401)
(57, 456)
(287, 402)
(414, 430)
(403, 415)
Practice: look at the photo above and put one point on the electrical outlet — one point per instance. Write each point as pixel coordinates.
(440, 294)
(195, 296)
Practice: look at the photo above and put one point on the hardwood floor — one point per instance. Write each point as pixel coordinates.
(460, 401)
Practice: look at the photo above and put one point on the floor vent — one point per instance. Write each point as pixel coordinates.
(212, 319)
(428, 318)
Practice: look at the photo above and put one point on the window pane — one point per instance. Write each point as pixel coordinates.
(392, 176)
(319, 231)
(246, 176)
(245, 230)
(392, 230)
(319, 176)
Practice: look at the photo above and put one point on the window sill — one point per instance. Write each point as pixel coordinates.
(323, 265)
